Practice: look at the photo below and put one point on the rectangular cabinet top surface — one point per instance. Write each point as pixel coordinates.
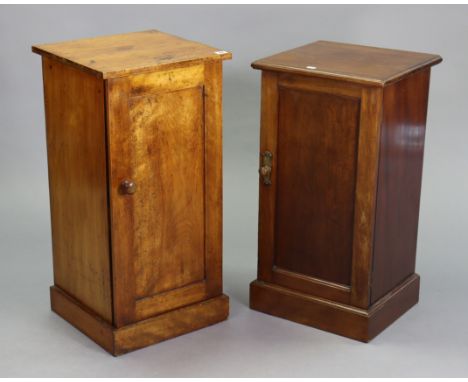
(123, 54)
(352, 63)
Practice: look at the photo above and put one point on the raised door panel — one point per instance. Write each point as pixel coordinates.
(316, 215)
(168, 160)
(316, 165)
(165, 136)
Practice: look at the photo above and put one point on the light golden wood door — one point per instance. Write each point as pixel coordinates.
(165, 164)
(167, 140)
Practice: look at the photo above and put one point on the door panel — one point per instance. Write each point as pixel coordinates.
(316, 166)
(164, 134)
(167, 138)
(315, 215)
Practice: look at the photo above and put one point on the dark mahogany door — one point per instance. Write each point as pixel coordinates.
(309, 213)
(316, 166)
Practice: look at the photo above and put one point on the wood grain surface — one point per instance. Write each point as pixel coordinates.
(348, 62)
(76, 153)
(316, 166)
(167, 138)
(399, 185)
(134, 138)
(345, 125)
(130, 53)
(345, 320)
(143, 333)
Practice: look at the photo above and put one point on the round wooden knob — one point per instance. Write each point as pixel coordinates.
(127, 187)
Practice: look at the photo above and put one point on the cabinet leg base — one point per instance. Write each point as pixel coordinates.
(342, 319)
(118, 341)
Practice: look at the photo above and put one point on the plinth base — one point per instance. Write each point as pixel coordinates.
(345, 320)
(140, 334)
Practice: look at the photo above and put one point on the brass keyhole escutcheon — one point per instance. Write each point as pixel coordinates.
(265, 169)
(127, 187)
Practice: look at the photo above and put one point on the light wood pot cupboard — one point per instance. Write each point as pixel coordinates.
(134, 144)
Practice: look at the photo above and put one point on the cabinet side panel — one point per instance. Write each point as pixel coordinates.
(399, 181)
(76, 150)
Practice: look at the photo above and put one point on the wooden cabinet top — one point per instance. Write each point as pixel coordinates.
(352, 63)
(123, 54)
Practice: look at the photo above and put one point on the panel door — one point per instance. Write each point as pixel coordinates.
(165, 162)
(314, 232)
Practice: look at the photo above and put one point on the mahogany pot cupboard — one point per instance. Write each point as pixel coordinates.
(341, 155)
(135, 173)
